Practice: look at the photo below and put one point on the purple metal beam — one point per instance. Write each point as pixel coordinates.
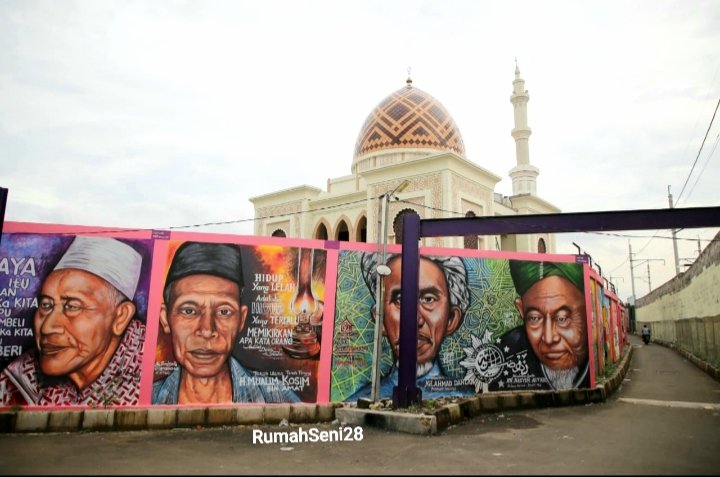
(3, 203)
(695, 217)
(406, 392)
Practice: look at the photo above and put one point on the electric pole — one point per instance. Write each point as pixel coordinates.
(632, 276)
(674, 237)
(648, 260)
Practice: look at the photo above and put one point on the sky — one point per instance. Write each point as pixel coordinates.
(170, 113)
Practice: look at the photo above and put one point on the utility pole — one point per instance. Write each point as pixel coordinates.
(674, 237)
(382, 271)
(632, 276)
(375, 390)
(648, 260)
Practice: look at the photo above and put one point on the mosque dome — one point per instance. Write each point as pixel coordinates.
(409, 118)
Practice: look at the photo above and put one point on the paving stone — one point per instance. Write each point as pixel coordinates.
(325, 412)
(508, 401)
(580, 396)
(221, 416)
(565, 397)
(32, 421)
(420, 424)
(98, 419)
(161, 418)
(131, 419)
(489, 402)
(65, 421)
(455, 413)
(247, 415)
(475, 406)
(527, 400)
(301, 413)
(191, 417)
(7, 421)
(276, 413)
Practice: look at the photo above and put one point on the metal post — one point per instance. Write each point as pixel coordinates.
(674, 237)
(378, 307)
(406, 392)
(3, 203)
(649, 285)
(632, 276)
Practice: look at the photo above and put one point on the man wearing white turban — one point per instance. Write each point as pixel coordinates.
(89, 347)
(443, 300)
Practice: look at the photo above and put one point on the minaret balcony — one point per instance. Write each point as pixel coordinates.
(521, 133)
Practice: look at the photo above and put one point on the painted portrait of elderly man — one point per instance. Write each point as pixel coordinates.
(553, 339)
(203, 313)
(89, 342)
(443, 301)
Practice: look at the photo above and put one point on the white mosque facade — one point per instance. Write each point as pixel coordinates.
(410, 136)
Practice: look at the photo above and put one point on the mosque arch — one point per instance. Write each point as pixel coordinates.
(342, 231)
(361, 228)
(279, 233)
(398, 223)
(541, 246)
(322, 230)
(471, 241)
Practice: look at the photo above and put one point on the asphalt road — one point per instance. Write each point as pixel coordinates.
(638, 436)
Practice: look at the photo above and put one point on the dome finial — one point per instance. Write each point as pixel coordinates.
(517, 69)
(409, 80)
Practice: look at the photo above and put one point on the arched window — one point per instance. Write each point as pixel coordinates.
(541, 246)
(361, 234)
(471, 241)
(322, 233)
(398, 223)
(279, 233)
(343, 234)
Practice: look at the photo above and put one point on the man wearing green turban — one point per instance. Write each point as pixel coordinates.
(554, 337)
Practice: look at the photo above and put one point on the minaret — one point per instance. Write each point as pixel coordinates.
(523, 175)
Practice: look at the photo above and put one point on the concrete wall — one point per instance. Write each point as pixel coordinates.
(686, 309)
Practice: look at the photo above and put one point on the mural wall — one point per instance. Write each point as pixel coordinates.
(609, 324)
(92, 317)
(482, 325)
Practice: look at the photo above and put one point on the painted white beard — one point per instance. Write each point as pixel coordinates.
(561, 378)
(422, 368)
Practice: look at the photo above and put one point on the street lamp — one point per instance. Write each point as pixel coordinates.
(382, 271)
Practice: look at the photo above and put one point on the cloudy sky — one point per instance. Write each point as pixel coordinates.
(153, 114)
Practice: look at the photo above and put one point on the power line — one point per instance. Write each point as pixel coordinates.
(237, 221)
(698, 154)
(227, 222)
(717, 139)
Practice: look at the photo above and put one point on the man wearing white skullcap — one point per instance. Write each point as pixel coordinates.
(89, 347)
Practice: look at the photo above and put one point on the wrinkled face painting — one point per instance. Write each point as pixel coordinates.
(76, 321)
(204, 317)
(556, 323)
(436, 317)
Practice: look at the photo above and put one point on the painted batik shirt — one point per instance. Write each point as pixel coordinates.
(22, 382)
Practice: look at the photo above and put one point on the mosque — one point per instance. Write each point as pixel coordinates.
(410, 136)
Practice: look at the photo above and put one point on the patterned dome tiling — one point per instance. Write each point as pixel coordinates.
(410, 118)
